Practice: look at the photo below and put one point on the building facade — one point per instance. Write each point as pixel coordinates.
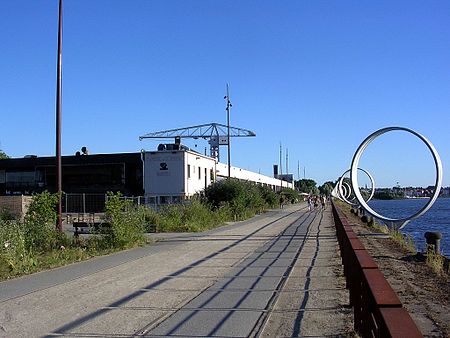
(174, 175)
(169, 175)
(94, 174)
(178, 173)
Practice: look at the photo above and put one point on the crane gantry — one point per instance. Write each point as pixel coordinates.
(215, 133)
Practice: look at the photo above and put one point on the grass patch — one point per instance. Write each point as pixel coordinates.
(435, 261)
(48, 260)
(74, 250)
(192, 217)
(406, 242)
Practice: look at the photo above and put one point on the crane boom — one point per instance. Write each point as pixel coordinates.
(203, 130)
(215, 132)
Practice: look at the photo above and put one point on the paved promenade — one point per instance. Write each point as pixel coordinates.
(276, 275)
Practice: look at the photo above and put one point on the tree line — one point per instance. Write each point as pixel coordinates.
(309, 186)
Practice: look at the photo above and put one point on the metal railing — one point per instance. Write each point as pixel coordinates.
(95, 203)
(83, 203)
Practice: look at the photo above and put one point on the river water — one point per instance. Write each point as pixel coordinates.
(436, 219)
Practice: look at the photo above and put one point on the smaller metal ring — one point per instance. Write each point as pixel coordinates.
(345, 198)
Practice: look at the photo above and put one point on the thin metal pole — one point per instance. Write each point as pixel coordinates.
(228, 127)
(281, 166)
(287, 161)
(84, 203)
(58, 118)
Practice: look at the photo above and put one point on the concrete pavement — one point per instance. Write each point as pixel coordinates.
(275, 275)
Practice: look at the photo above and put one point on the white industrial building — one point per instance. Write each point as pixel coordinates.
(174, 173)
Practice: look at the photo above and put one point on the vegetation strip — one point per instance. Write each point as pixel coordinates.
(33, 244)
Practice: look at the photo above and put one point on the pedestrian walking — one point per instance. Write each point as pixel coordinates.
(323, 201)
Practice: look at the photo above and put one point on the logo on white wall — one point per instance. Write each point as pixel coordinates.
(163, 169)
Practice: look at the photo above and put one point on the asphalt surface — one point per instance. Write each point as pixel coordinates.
(276, 275)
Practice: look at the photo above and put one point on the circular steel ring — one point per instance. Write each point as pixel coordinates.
(348, 189)
(335, 193)
(342, 191)
(341, 182)
(354, 176)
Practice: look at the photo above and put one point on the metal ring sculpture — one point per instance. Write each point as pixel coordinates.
(345, 196)
(354, 176)
(342, 191)
(346, 192)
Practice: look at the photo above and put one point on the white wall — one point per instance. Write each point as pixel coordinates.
(242, 174)
(163, 173)
(196, 183)
(166, 173)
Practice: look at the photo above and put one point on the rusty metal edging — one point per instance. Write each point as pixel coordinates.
(377, 309)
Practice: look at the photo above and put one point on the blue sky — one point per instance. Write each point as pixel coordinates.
(317, 76)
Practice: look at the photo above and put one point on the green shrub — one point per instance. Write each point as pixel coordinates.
(35, 244)
(150, 217)
(191, 217)
(269, 196)
(290, 195)
(22, 242)
(40, 223)
(244, 199)
(224, 191)
(6, 215)
(171, 218)
(126, 222)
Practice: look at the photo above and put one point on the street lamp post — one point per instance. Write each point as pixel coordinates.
(229, 105)
(58, 119)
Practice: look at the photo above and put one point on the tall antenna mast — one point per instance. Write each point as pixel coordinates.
(298, 170)
(287, 161)
(281, 165)
(229, 105)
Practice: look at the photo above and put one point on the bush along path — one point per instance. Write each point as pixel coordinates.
(34, 244)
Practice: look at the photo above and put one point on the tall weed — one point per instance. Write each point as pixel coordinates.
(13, 252)
(435, 261)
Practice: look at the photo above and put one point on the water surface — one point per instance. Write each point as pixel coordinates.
(436, 219)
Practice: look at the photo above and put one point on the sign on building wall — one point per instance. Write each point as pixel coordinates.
(223, 140)
(165, 164)
(163, 169)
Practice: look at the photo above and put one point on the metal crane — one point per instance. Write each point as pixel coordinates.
(216, 133)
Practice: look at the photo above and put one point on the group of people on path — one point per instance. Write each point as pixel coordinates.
(314, 201)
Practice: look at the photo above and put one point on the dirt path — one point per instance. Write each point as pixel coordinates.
(424, 294)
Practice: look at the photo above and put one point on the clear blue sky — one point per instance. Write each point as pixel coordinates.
(317, 76)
